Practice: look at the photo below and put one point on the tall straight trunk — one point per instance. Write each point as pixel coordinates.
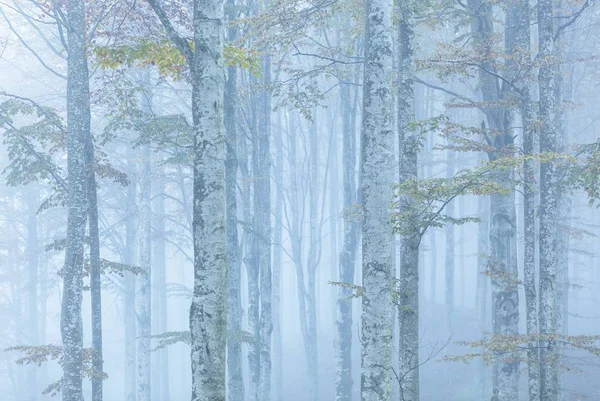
(503, 227)
(461, 254)
(377, 174)
(277, 264)
(523, 40)
(311, 267)
(449, 258)
(208, 312)
(160, 379)
(333, 212)
(95, 276)
(130, 283)
(32, 288)
(548, 204)
(408, 300)
(234, 276)
(245, 190)
(144, 282)
(265, 232)
(564, 95)
(347, 259)
(481, 294)
(505, 297)
(43, 298)
(253, 267)
(429, 161)
(78, 126)
(503, 231)
(14, 263)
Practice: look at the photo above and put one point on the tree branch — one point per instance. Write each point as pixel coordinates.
(572, 19)
(24, 43)
(179, 41)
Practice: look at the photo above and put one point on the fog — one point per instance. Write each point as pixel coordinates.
(300, 200)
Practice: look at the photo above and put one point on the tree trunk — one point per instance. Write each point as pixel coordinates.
(78, 126)
(130, 283)
(208, 312)
(159, 283)
(234, 276)
(548, 204)
(503, 227)
(253, 267)
(483, 232)
(265, 232)
(312, 265)
(377, 173)
(408, 300)
(347, 259)
(449, 254)
(32, 287)
(529, 187)
(95, 276)
(144, 295)
(277, 265)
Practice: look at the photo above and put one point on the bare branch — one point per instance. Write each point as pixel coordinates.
(179, 41)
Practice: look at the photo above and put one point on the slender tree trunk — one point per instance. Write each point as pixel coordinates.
(253, 267)
(312, 265)
(264, 206)
(449, 258)
(408, 301)
(95, 276)
(347, 259)
(43, 298)
(208, 313)
(503, 227)
(234, 277)
(144, 295)
(564, 89)
(548, 204)
(505, 298)
(377, 173)
(529, 187)
(159, 284)
(32, 287)
(432, 232)
(130, 284)
(483, 232)
(277, 265)
(78, 126)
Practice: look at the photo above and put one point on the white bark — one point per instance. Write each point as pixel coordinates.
(264, 203)
(522, 10)
(377, 173)
(449, 254)
(78, 126)
(481, 294)
(160, 379)
(548, 204)
(277, 265)
(408, 300)
(32, 287)
(253, 265)
(95, 273)
(208, 313)
(312, 263)
(143, 293)
(234, 311)
(129, 284)
(347, 259)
